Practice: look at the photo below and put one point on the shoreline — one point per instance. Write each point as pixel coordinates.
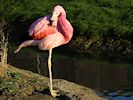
(34, 86)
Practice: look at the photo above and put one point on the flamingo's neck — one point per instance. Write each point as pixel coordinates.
(65, 28)
(63, 25)
(60, 11)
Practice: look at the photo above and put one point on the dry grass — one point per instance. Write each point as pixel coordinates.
(3, 50)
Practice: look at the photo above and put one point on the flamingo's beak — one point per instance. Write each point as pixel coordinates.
(53, 17)
(51, 22)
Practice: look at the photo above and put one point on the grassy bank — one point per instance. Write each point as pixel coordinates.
(101, 27)
(91, 18)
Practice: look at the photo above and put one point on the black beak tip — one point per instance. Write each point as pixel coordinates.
(51, 22)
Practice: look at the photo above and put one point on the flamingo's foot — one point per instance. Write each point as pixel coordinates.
(17, 50)
(55, 93)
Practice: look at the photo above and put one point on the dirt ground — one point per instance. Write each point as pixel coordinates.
(26, 85)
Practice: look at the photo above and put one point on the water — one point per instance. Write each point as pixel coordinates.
(111, 80)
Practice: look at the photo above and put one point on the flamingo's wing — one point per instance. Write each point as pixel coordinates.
(38, 26)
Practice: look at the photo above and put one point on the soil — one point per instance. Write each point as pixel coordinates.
(25, 85)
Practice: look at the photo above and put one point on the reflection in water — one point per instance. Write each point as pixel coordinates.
(101, 76)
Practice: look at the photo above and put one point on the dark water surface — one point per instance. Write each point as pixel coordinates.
(109, 79)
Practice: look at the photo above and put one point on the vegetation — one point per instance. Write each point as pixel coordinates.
(103, 17)
(3, 50)
(94, 20)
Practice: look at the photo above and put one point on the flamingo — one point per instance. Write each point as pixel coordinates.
(49, 32)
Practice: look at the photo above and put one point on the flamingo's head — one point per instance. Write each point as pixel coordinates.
(57, 11)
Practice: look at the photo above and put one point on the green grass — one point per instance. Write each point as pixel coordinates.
(88, 17)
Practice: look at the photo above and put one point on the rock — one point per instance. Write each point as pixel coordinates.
(29, 86)
(39, 97)
(75, 91)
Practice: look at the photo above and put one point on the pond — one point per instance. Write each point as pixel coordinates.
(110, 79)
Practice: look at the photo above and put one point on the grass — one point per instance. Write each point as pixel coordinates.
(89, 18)
(3, 50)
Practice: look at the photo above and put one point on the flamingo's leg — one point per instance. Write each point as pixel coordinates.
(54, 93)
(27, 43)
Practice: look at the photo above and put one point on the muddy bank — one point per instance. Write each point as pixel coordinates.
(26, 85)
(103, 47)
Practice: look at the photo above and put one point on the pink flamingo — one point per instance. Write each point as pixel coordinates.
(47, 36)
